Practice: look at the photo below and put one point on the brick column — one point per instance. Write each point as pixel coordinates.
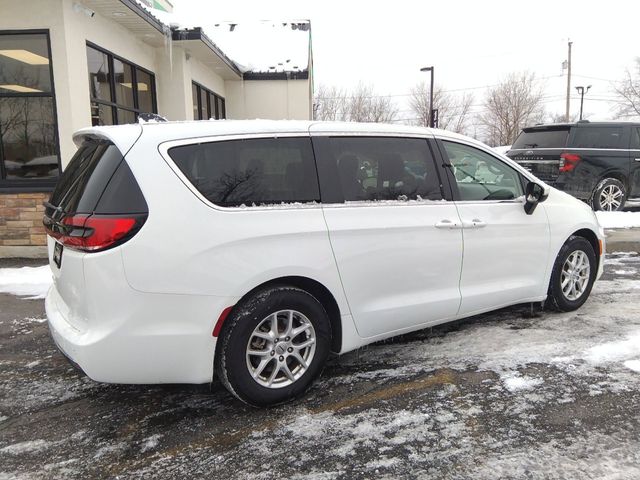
(21, 219)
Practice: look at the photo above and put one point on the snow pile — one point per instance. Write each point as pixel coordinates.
(619, 219)
(33, 282)
(516, 383)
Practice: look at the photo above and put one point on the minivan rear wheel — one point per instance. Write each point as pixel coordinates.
(574, 273)
(609, 195)
(273, 346)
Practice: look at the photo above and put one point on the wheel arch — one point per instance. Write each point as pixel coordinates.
(592, 238)
(616, 175)
(313, 287)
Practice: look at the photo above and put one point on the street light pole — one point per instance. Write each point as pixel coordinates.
(431, 119)
(582, 93)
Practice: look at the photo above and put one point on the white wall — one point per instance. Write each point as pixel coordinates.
(269, 99)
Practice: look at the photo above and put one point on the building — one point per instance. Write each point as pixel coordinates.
(67, 64)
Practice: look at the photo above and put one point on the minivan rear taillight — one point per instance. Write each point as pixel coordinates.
(568, 161)
(93, 233)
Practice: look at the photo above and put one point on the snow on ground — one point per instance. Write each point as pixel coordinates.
(619, 219)
(33, 282)
(502, 395)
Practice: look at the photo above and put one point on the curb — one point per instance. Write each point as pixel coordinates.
(623, 240)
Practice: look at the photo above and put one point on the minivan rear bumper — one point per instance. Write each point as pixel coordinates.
(143, 338)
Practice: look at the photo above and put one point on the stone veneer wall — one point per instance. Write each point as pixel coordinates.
(21, 219)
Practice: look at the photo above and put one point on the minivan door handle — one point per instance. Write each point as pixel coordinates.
(448, 224)
(637, 159)
(475, 223)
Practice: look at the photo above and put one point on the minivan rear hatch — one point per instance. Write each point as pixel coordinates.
(95, 206)
(538, 149)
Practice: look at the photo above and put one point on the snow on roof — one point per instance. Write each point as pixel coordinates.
(254, 46)
(264, 46)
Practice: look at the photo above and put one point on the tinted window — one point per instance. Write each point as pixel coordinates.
(86, 176)
(635, 138)
(481, 176)
(122, 194)
(251, 172)
(383, 168)
(597, 137)
(542, 138)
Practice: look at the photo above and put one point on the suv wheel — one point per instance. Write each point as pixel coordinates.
(574, 273)
(274, 346)
(609, 195)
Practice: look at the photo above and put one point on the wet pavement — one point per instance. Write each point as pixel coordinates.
(508, 394)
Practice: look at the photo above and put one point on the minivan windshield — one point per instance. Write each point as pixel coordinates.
(554, 137)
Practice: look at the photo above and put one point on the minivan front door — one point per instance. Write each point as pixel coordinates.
(397, 244)
(505, 250)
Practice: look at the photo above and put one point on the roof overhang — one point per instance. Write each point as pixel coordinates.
(198, 45)
(133, 17)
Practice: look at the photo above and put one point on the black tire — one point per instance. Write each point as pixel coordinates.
(556, 298)
(231, 358)
(597, 200)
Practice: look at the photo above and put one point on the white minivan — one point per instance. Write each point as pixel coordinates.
(254, 248)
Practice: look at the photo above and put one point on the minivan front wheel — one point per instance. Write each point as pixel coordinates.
(574, 273)
(273, 346)
(609, 195)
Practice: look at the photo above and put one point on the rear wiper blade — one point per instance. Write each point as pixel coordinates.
(531, 145)
(52, 206)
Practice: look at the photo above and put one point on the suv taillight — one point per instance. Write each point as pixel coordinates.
(568, 161)
(93, 233)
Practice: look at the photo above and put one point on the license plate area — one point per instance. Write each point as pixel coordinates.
(57, 254)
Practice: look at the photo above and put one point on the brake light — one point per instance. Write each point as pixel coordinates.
(568, 161)
(92, 233)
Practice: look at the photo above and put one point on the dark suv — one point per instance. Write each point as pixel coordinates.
(598, 162)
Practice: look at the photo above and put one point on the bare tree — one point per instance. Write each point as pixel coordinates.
(561, 117)
(454, 112)
(361, 104)
(329, 103)
(628, 92)
(511, 105)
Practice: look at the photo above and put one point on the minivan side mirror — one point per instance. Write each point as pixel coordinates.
(534, 193)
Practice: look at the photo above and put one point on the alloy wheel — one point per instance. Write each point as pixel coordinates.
(575, 275)
(281, 349)
(610, 198)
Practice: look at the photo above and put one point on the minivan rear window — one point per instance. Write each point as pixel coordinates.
(259, 171)
(542, 138)
(86, 177)
(597, 137)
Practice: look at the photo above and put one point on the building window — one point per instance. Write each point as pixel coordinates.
(206, 104)
(29, 155)
(119, 90)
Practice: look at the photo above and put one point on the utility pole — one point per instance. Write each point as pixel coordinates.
(567, 113)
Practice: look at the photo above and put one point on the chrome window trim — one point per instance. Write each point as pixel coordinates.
(163, 149)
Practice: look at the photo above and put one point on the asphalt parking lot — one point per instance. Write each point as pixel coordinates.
(502, 395)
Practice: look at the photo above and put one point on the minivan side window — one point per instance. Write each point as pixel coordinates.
(383, 168)
(251, 172)
(481, 176)
(597, 137)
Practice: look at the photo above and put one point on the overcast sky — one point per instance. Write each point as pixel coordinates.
(471, 44)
